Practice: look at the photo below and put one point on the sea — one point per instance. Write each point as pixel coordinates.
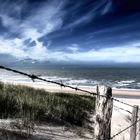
(121, 78)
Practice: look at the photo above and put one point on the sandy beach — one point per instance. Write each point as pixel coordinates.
(120, 118)
(125, 93)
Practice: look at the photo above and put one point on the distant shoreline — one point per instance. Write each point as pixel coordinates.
(126, 79)
(120, 93)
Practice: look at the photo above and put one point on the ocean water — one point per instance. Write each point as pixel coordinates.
(81, 76)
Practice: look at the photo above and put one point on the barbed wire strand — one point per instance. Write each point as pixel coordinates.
(124, 129)
(122, 109)
(33, 77)
(123, 102)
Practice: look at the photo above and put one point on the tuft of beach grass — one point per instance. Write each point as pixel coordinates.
(24, 102)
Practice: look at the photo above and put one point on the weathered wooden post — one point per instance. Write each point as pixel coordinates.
(134, 117)
(103, 113)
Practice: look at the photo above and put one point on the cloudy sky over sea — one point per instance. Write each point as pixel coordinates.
(70, 31)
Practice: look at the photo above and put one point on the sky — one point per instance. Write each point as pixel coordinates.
(82, 31)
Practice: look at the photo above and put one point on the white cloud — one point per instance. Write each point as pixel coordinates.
(116, 54)
(17, 49)
(48, 19)
(107, 7)
(126, 53)
(74, 48)
(45, 20)
(6, 47)
(97, 10)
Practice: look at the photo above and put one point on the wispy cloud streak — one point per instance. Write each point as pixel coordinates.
(126, 53)
(64, 28)
(47, 19)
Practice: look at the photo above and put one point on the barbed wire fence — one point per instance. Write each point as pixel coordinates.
(34, 77)
(120, 108)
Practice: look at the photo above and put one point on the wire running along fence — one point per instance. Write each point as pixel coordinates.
(120, 108)
(34, 77)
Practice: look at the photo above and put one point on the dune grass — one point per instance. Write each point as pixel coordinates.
(25, 102)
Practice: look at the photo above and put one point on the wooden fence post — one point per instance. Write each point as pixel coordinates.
(103, 113)
(134, 117)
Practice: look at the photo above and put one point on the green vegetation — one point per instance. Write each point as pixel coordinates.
(37, 105)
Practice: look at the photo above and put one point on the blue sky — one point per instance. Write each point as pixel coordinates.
(70, 31)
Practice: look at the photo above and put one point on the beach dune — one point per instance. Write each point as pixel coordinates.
(125, 95)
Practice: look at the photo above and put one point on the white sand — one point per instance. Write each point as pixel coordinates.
(56, 88)
(119, 118)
